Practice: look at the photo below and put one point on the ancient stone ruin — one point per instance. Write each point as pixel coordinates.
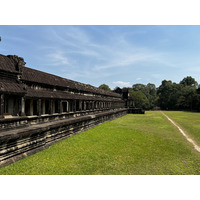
(38, 109)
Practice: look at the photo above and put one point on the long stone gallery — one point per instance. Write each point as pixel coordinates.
(38, 109)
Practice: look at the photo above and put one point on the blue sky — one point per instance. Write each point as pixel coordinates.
(114, 55)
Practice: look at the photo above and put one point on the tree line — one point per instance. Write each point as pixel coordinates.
(184, 95)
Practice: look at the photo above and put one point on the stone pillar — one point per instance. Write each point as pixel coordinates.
(84, 105)
(31, 107)
(50, 106)
(1, 105)
(93, 105)
(68, 106)
(74, 105)
(98, 105)
(60, 109)
(39, 106)
(22, 107)
(53, 106)
(80, 105)
(43, 106)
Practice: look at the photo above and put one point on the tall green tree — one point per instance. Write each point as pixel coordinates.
(152, 94)
(105, 87)
(182, 96)
(139, 98)
(168, 93)
(189, 81)
(149, 91)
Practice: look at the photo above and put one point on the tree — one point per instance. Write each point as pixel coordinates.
(182, 96)
(168, 93)
(105, 87)
(187, 97)
(149, 91)
(189, 81)
(139, 98)
(141, 87)
(152, 94)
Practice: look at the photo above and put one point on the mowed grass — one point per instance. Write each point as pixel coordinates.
(133, 144)
(189, 122)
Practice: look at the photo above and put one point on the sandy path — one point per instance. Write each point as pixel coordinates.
(183, 133)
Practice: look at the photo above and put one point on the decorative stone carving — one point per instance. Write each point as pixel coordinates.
(19, 61)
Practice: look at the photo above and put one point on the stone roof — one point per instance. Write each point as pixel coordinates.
(35, 76)
(6, 64)
(32, 93)
(11, 87)
(15, 64)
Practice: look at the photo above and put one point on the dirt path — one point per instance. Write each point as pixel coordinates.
(183, 133)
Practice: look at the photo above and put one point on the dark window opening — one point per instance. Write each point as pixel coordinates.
(77, 105)
(87, 105)
(64, 105)
(27, 107)
(56, 106)
(35, 111)
(6, 105)
(82, 105)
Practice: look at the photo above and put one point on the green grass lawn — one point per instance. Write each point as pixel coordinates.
(133, 144)
(189, 122)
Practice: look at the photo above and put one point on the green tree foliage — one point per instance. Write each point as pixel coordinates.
(168, 96)
(168, 93)
(187, 97)
(105, 87)
(182, 96)
(149, 91)
(189, 81)
(139, 98)
(152, 94)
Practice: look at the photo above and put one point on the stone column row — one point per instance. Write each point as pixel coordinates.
(76, 105)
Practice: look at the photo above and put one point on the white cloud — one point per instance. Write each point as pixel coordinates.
(57, 58)
(78, 54)
(122, 83)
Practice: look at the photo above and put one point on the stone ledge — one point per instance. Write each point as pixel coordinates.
(19, 143)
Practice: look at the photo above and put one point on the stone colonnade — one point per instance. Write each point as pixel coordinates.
(30, 107)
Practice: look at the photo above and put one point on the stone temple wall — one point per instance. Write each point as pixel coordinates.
(38, 109)
(18, 143)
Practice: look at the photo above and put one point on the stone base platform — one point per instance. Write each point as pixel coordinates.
(18, 143)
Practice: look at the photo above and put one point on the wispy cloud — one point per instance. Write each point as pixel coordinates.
(57, 58)
(122, 83)
(126, 60)
(103, 54)
(80, 55)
